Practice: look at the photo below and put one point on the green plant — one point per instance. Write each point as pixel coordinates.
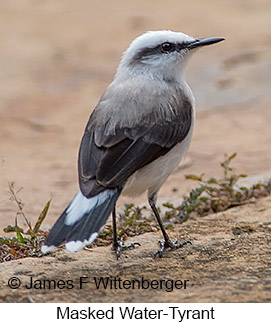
(216, 195)
(26, 243)
(212, 195)
(131, 222)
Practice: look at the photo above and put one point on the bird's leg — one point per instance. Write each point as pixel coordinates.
(115, 238)
(118, 246)
(167, 243)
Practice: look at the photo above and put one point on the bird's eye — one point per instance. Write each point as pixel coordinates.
(167, 47)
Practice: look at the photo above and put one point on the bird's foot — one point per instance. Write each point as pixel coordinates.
(120, 245)
(169, 244)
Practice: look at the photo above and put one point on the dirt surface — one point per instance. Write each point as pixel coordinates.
(56, 60)
(229, 261)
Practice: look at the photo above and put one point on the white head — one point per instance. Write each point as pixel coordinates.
(160, 53)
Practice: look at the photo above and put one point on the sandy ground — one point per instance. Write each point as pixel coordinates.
(56, 60)
(229, 261)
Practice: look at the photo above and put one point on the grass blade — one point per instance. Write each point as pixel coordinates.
(42, 216)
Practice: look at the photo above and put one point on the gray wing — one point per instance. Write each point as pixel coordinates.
(108, 160)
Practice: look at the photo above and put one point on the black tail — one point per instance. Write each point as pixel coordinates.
(82, 220)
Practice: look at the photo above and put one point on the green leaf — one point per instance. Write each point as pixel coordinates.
(212, 180)
(12, 228)
(169, 205)
(21, 238)
(204, 198)
(194, 177)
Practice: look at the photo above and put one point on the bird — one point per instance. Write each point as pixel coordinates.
(136, 136)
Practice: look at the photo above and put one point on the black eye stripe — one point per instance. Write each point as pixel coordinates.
(181, 46)
(164, 48)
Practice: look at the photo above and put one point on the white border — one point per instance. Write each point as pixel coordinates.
(234, 312)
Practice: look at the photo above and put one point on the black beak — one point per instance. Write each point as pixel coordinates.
(204, 42)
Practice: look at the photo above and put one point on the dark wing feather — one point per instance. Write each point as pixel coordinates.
(118, 164)
(107, 161)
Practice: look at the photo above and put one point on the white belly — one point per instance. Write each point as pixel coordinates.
(153, 176)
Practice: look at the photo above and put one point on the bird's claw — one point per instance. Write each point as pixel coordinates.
(120, 245)
(164, 245)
